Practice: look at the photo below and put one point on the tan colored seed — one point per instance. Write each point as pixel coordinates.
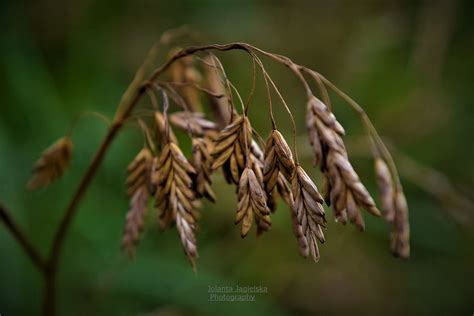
(52, 164)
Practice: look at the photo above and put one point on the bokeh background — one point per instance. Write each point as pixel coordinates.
(409, 63)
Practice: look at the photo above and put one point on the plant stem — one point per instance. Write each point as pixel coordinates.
(59, 237)
(21, 238)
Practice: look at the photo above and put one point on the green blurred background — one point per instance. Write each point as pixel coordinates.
(409, 63)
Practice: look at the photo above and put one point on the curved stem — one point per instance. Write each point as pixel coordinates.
(59, 237)
(21, 238)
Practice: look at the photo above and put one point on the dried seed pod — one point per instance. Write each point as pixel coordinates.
(385, 188)
(139, 172)
(342, 180)
(139, 189)
(314, 138)
(321, 111)
(52, 164)
(202, 161)
(278, 158)
(353, 183)
(252, 203)
(309, 210)
(175, 197)
(134, 220)
(230, 148)
(303, 246)
(353, 212)
(400, 237)
(193, 122)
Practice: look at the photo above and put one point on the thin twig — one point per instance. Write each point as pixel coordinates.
(21, 238)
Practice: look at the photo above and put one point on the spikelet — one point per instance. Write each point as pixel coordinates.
(324, 130)
(284, 189)
(256, 164)
(278, 159)
(175, 197)
(230, 148)
(252, 203)
(135, 220)
(139, 171)
(192, 121)
(139, 190)
(202, 161)
(385, 189)
(309, 213)
(52, 164)
(343, 189)
(347, 190)
(400, 236)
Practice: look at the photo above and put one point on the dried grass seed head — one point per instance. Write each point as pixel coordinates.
(202, 162)
(252, 203)
(175, 196)
(385, 189)
(52, 164)
(309, 212)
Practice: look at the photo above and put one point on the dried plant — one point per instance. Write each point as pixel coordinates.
(52, 163)
(252, 203)
(278, 158)
(230, 148)
(175, 197)
(309, 212)
(139, 189)
(202, 162)
(227, 142)
(385, 187)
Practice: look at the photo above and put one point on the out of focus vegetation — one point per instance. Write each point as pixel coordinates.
(409, 63)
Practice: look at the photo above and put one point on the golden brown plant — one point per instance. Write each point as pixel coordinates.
(231, 146)
(343, 188)
(278, 159)
(202, 161)
(309, 213)
(175, 197)
(52, 163)
(252, 203)
(178, 186)
(139, 190)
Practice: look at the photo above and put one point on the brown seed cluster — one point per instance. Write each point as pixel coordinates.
(309, 214)
(278, 159)
(175, 197)
(395, 209)
(52, 164)
(139, 190)
(343, 189)
(230, 148)
(202, 160)
(252, 203)
(227, 142)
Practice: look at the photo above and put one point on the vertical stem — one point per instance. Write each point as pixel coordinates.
(51, 268)
(49, 293)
